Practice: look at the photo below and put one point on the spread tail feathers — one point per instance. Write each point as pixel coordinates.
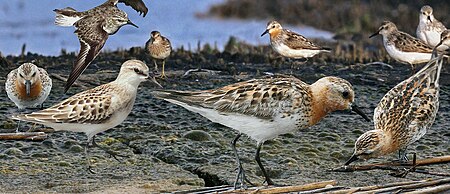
(67, 16)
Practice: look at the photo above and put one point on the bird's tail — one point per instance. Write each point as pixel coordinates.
(196, 98)
(67, 16)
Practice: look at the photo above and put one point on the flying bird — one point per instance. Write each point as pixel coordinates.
(92, 28)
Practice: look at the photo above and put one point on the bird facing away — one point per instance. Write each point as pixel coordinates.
(266, 108)
(28, 86)
(95, 110)
(158, 47)
(403, 115)
(291, 44)
(402, 46)
(92, 28)
(429, 29)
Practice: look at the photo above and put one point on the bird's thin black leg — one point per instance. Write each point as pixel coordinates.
(240, 176)
(258, 160)
(86, 153)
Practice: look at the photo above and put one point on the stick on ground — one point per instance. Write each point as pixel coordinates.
(33, 136)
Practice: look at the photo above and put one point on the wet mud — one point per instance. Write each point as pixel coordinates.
(170, 148)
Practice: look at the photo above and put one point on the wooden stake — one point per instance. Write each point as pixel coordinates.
(411, 186)
(373, 187)
(388, 165)
(33, 136)
(438, 189)
(286, 189)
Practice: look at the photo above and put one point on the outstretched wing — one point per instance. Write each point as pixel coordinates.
(137, 5)
(258, 97)
(92, 39)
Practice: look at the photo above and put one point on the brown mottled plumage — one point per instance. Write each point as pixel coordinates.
(92, 28)
(266, 108)
(403, 115)
(402, 46)
(158, 47)
(291, 44)
(95, 110)
(38, 81)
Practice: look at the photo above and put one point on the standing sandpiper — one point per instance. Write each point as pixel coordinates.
(429, 29)
(93, 28)
(28, 86)
(95, 110)
(266, 108)
(158, 47)
(291, 44)
(403, 115)
(402, 46)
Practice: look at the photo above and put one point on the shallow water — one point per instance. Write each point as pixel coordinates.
(32, 23)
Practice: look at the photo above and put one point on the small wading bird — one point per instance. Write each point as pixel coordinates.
(158, 47)
(403, 47)
(291, 44)
(429, 29)
(95, 110)
(28, 86)
(404, 114)
(266, 108)
(93, 28)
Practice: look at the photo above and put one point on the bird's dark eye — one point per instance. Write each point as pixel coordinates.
(34, 74)
(21, 75)
(345, 94)
(137, 71)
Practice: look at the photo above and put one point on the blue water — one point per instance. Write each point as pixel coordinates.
(32, 23)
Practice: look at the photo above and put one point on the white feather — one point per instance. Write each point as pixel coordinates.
(63, 20)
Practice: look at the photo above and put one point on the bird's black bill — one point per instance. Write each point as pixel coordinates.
(352, 159)
(356, 110)
(429, 19)
(152, 77)
(265, 32)
(131, 23)
(28, 87)
(374, 34)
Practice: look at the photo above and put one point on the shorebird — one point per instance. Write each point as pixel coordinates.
(291, 44)
(404, 114)
(429, 29)
(95, 110)
(28, 86)
(402, 46)
(265, 108)
(92, 28)
(158, 47)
